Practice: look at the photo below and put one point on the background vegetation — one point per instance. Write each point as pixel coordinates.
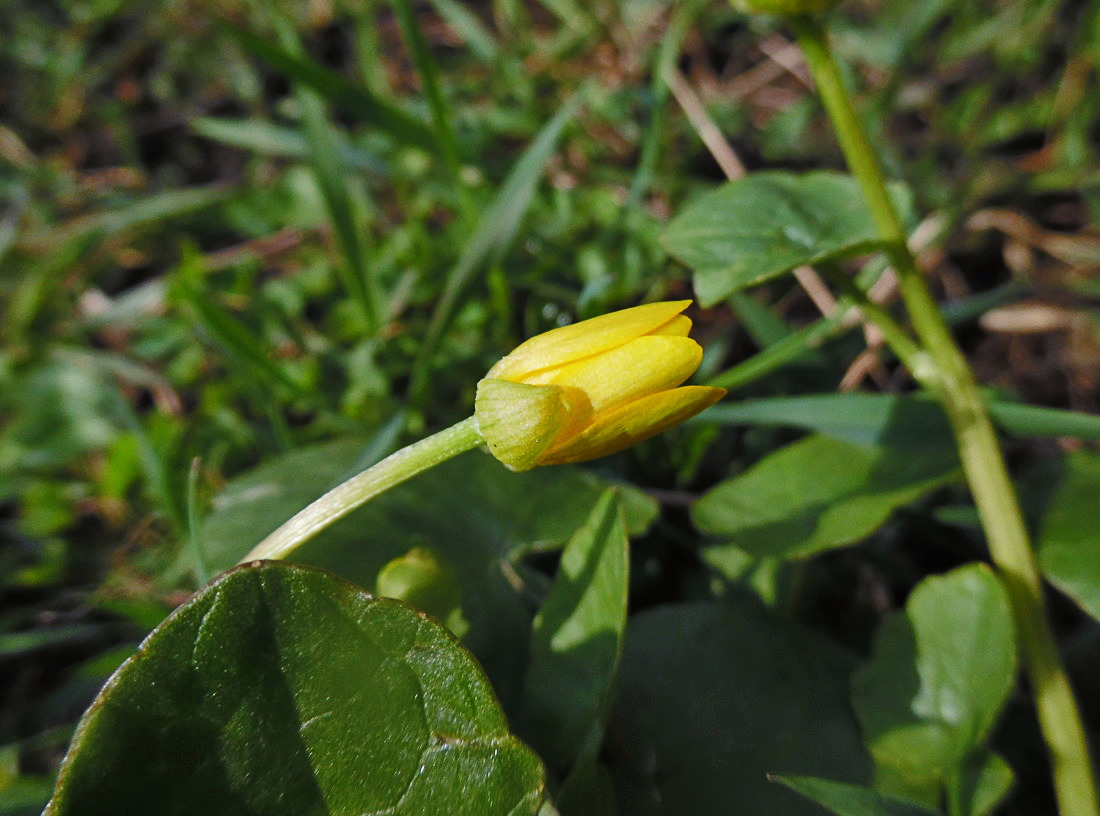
(245, 249)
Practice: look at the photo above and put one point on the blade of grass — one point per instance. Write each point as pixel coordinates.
(268, 139)
(355, 273)
(340, 91)
(442, 117)
(494, 232)
(667, 54)
(194, 525)
(144, 212)
(235, 339)
(469, 28)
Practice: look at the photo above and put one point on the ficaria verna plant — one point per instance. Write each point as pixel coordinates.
(280, 688)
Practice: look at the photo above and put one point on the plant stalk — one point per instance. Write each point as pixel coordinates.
(949, 376)
(390, 472)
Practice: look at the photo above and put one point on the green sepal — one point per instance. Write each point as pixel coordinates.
(517, 421)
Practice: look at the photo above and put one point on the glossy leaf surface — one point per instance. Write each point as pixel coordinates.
(765, 224)
(819, 493)
(939, 675)
(283, 690)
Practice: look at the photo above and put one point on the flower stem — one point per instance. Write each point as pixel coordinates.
(949, 376)
(390, 472)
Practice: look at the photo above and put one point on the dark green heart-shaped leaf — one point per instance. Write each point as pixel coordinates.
(1069, 548)
(283, 690)
(713, 697)
(577, 636)
(765, 224)
(939, 675)
(819, 493)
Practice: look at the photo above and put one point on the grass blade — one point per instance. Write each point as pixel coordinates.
(469, 28)
(269, 139)
(339, 90)
(494, 232)
(442, 118)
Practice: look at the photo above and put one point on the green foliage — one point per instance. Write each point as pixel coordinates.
(282, 690)
(1068, 547)
(819, 493)
(939, 677)
(243, 259)
(756, 228)
(577, 636)
(715, 695)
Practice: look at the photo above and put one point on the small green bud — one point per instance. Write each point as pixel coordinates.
(423, 579)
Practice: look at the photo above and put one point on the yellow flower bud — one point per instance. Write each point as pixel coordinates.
(592, 388)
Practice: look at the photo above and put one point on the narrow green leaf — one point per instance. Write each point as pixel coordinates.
(850, 800)
(442, 118)
(283, 690)
(939, 676)
(144, 212)
(355, 273)
(577, 637)
(872, 418)
(820, 493)
(1069, 548)
(269, 139)
(229, 333)
(862, 419)
(469, 28)
(493, 234)
(1036, 420)
(765, 224)
(340, 91)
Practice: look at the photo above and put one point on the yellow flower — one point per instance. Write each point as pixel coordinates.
(592, 388)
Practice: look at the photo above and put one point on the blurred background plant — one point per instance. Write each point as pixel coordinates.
(277, 241)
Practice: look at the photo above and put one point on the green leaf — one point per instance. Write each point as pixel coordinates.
(862, 419)
(980, 785)
(714, 696)
(483, 519)
(282, 690)
(577, 637)
(765, 224)
(1069, 549)
(269, 139)
(820, 493)
(850, 800)
(939, 676)
(871, 418)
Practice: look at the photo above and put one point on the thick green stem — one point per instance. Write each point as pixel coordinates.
(390, 472)
(950, 377)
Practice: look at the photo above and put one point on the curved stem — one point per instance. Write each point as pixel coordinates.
(390, 472)
(950, 377)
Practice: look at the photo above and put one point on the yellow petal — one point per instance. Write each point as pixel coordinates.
(574, 342)
(634, 422)
(679, 326)
(643, 366)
